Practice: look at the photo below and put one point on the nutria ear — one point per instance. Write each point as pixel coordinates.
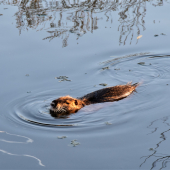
(76, 102)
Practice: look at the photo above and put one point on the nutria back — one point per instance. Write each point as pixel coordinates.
(109, 94)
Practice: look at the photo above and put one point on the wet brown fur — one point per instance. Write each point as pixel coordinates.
(67, 104)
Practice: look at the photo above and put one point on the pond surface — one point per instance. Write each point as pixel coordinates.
(89, 42)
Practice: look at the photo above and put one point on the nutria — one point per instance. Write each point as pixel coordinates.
(67, 104)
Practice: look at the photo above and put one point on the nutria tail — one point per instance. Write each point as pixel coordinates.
(136, 84)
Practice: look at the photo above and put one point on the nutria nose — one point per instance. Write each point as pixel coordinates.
(53, 104)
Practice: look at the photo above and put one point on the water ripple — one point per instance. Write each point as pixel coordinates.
(33, 110)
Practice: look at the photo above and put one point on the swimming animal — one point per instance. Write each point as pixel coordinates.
(66, 105)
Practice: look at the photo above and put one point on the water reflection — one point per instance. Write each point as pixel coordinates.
(29, 140)
(8, 141)
(62, 18)
(160, 160)
(8, 153)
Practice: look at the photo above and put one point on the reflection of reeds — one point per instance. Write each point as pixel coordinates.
(82, 17)
(159, 158)
(131, 17)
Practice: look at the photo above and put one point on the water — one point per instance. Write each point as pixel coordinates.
(90, 42)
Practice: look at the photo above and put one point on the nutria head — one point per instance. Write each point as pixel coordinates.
(66, 105)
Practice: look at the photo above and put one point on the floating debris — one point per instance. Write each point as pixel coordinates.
(107, 123)
(61, 137)
(163, 34)
(167, 84)
(130, 70)
(27, 75)
(141, 63)
(50, 17)
(52, 25)
(117, 69)
(5, 8)
(140, 36)
(103, 84)
(151, 149)
(63, 78)
(105, 68)
(28, 91)
(71, 31)
(1, 14)
(156, 35)
(74, 142)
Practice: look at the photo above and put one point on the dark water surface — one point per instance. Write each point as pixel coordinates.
(90, 42)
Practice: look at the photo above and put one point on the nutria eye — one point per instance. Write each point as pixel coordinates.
(76, 103)
(67, 103)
